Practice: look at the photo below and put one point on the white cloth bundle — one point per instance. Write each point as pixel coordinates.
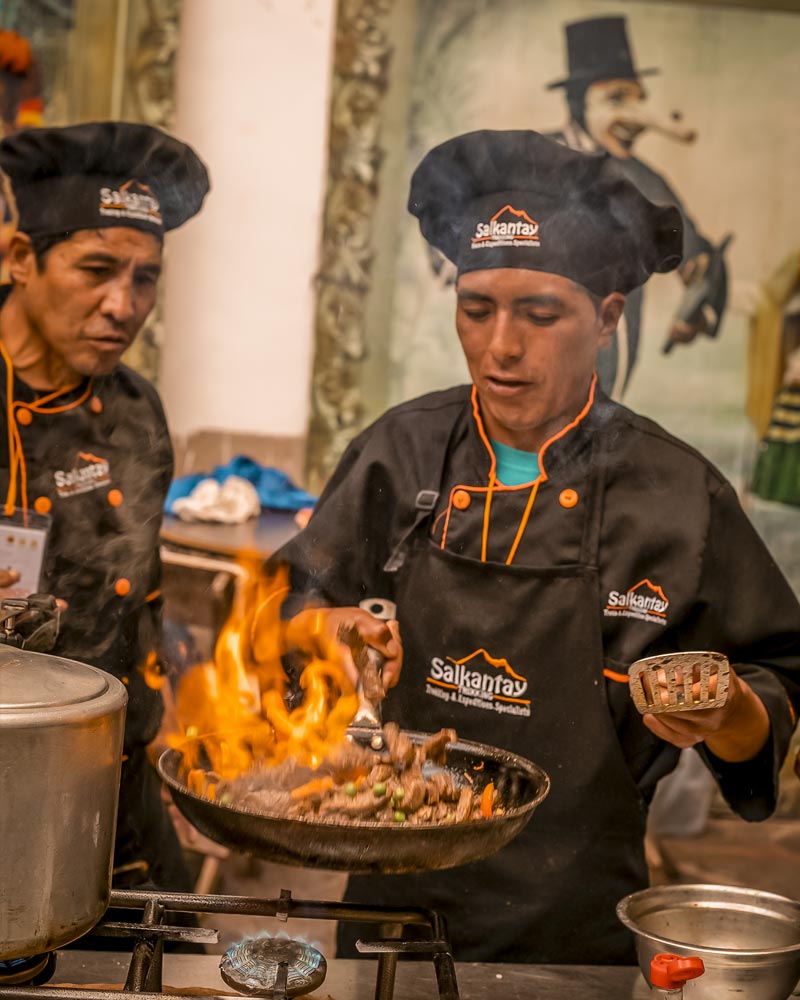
(232, 502)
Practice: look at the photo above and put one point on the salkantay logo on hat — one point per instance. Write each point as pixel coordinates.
(92, 475)
(132, 200)
(518, 229)
(479, 681)
(645, 601)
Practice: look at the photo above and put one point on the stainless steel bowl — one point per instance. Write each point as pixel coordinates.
(749, 940)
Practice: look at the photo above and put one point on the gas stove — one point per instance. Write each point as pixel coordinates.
(274, 967)
(140, 969)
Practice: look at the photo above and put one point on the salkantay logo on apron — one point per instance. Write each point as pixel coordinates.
(93, 474)
(644, 600)
(479, 681)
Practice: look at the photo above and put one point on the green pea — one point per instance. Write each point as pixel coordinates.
(226, 798)
(399, 816)
(379, 789)
(399, 794)
(350, 789)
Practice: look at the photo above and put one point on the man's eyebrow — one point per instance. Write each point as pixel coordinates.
(471, 296)
(109, 260)
(549, 301)
(97, 257)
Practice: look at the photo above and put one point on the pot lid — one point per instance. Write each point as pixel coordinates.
(40, 681)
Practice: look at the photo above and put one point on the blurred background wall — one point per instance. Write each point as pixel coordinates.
(302, 302)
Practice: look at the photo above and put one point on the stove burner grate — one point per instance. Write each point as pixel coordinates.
(145, 967)
(273, 967)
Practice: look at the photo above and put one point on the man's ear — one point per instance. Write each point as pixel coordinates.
(21, 259)
(609, 313)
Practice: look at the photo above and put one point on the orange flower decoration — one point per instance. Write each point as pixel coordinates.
(15, 52)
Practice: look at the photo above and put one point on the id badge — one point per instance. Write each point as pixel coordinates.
(22, 549)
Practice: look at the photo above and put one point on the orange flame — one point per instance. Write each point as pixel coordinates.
(152, 672)
(234, 708)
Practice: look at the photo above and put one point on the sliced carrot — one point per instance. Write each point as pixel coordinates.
(487, 800)
(196, 780)
(315, 787)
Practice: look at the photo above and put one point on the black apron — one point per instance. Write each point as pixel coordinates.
(535, 636)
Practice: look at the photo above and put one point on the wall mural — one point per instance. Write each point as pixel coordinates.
(699, 107)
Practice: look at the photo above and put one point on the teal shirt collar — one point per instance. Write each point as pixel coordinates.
(515, 467)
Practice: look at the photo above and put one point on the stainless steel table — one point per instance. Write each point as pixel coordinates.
(260, 535)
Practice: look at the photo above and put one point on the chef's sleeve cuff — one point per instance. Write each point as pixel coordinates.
(751, 787)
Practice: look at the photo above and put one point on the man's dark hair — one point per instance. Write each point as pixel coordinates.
(43, 243)
(595, 299)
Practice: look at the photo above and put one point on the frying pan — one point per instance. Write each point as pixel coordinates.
(368, 847)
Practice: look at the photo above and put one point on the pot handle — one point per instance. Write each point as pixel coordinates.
(670, 972)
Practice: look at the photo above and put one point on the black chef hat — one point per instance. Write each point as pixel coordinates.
(102, 174)
(518, 199)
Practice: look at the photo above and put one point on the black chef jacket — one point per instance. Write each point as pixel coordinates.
(681, 567)
(102, 465)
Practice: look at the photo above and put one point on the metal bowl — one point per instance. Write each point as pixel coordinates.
(749, 940)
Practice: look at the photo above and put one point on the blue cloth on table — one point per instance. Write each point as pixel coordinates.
(275, 489)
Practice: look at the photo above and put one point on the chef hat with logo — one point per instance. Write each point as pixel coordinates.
(102, 174)
(518, 199)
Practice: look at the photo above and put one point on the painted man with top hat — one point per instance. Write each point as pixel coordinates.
(608, 110)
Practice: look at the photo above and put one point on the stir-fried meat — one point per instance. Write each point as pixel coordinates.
(414, 787)
(381, 772)
(401, 749)
(362, 805)
(267, 800)
(435, 748)
(407, 783)
(464, 807)
(441, 786)
(347, 760)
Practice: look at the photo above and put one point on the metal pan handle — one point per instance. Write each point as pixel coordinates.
(367, 726)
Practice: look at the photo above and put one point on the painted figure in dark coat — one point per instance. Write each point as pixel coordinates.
(608, 110)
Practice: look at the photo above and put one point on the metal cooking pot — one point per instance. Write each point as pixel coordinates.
(749, 940)
(61, 729)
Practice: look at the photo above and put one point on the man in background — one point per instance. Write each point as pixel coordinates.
(87, 459)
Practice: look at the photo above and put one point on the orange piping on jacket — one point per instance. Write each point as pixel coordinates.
(492, 485)
(17, 467)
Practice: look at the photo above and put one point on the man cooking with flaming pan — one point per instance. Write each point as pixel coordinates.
(87, 460)
(531, 530)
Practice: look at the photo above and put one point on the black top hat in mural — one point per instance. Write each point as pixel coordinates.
(598, 49)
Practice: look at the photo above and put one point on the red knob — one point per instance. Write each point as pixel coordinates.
(669, 972)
